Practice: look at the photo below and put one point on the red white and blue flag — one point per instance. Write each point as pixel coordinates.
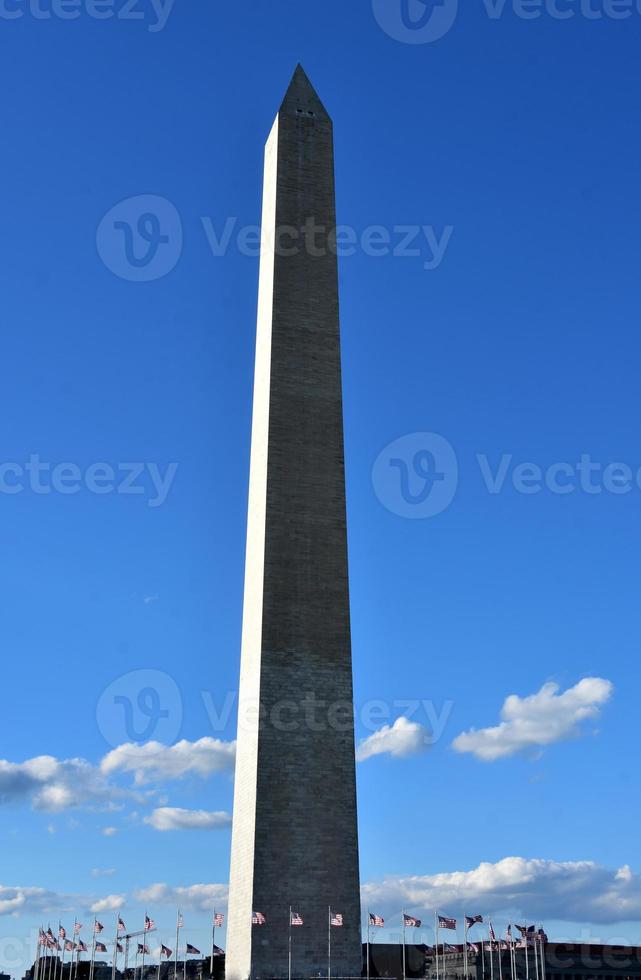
(69, 946)
(149, 923)
(192, 951)
(258, 919)
(82, 947)
(121, 925)
(120, 948)
(410, 921)
(219, 918)
(376, 920)
(296, 919)
(101, 948)
(165, 951)
(143, 950)
(98, 927)
(473, 920)
(62, 932)
(445, 923)
(336, 919)
(76, 929)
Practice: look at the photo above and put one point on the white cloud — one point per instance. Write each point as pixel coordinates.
(154, 761)
(175, 818)
(401, 739)
(102, 872)
(541, 719)
(110, 903)
(199, 898)
(571, 891)
(54, 785)
(18, 901)
(109, 831)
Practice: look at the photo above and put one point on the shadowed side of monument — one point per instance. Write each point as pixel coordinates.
(294, 839)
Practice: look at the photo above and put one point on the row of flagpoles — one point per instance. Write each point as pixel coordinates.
(49, 946)
(531, 939)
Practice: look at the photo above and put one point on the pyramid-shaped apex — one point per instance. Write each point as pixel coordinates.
(301, 97)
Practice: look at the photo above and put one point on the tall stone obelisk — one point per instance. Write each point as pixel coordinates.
(294, 840)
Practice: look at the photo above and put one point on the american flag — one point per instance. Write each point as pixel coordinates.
(165, 951)
(217, 951)
(258, 919)
(98, 927)
(69, 946)
(376, 920)
(473, 948)
(337, 919)
(49, 933)
(62, 932)
(296, 919)
(219, 918)
(508, 934)
(192, 951)
(149, 923)
(76, 929)
(143, 949)
(101, 948)
(473, 920)
(120, 948)
(82, 947)
(492, 933)
(445, 923)
(121, 925)
(409, 920)
(180, 920)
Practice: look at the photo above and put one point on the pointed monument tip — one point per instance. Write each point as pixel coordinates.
(301, 96)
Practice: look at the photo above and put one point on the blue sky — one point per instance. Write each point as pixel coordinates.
(514, 141)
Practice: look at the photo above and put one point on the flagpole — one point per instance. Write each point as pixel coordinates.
(185, 964)
(176, 950)
(536, 960)
(543, 963)
(126, 957)
(368, 922)
(144, 946)
(527, 957)
(404, 970)
(289, 958)
(93, 950)
(436, 936)
(115, 959)
(213, 943)
(491, 955)
(465, 945)
(329, 942)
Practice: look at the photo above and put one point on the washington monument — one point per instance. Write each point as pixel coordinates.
(294, 840)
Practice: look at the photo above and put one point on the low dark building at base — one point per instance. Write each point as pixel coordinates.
(563, 961)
